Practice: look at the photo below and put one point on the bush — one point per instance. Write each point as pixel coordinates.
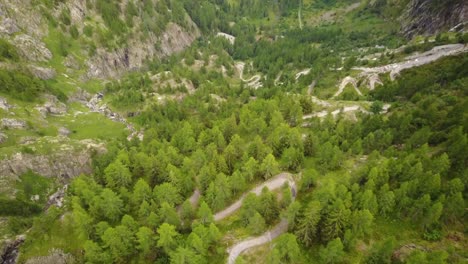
(25, 87)
(65, 17)
(110, 13)
(432, 235)
(74, 32)
(7, 51)
(88, 30)
(9, 207)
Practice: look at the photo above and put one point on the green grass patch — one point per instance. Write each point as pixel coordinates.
(30, 184)
(91, 125)
(50, 231)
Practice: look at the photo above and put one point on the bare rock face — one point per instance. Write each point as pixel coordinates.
(13, 123)
(31, 48)
(4, 104)
(71, 63)
(63, 165)
(107, 64)
(43, 73)
(429, 17)
(7, 25)
(3, 138)
(80, 96)
(52, 106)
(56, 256)
(10, 250)
(23, 15)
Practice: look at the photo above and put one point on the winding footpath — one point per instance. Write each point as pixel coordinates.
(274, 183)
(253, 81)
(370, 76)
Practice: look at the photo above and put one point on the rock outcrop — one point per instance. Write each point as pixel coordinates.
(4, 104)
(428, 17)
(10, 250)
(52, 106)
(31, 48)
(106, 64)
(42, 73)
(62, 164)
(11, 123)
(3, 138)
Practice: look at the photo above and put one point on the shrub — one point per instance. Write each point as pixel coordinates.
(74, 32)
(7, 51)
(9, 207)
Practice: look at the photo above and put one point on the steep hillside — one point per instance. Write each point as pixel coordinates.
(207, 131)
(428, 17)
(101, 38)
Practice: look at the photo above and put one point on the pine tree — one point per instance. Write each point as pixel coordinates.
(306, 228)
(204, 214)
(335, 221)
(167, 237)
(256, 224)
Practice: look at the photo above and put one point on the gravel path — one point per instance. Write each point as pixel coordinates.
(347, 80)
(254, 81)
(416, 60)
(272, 184)
(370, 76)
(268, 236)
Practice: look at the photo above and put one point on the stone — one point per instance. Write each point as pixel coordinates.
(31, 48)
(60, 164)
(424, 17)
(4, 104)
(11, 123)
(8, 26)
(3, 138)
(43, 73)
(64, 131)
(71, 62)
(52, 106)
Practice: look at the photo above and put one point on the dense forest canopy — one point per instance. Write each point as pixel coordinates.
(359, 187)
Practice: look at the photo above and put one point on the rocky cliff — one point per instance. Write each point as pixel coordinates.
(427, 17)
(27, 24)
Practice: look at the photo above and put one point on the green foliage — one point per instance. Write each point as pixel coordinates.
(110, 13)
(286, 250)
(333, 252)
(7, 51)
(256, 224)
(306, 228)
(117, 175)
(31, 184)
(167, 237)
(9, 207)
(23, 86)
(74, 32)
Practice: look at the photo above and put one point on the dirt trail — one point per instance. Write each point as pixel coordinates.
(370, 76)
(274, 183)
(254, 81)
(415, 60)
(267, 237)
(336, 112)
(301, 73)
(347, 80)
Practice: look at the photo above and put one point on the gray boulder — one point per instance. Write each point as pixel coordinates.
(11, 123)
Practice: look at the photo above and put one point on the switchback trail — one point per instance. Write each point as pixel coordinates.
(277, 182)
(272, 184)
